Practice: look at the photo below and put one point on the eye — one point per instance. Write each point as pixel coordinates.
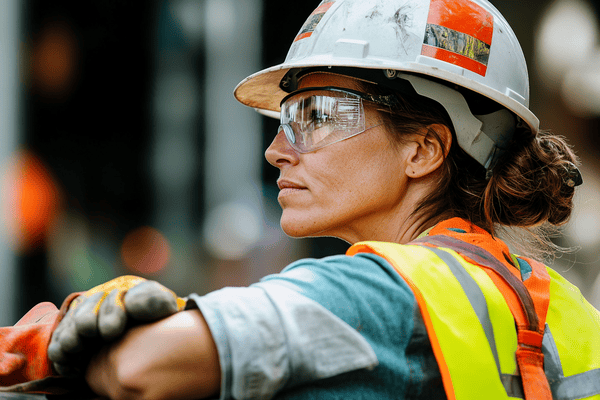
(319, 118)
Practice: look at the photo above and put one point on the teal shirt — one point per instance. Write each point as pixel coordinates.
(322, 305)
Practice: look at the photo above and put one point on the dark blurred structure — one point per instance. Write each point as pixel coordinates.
(87, 111)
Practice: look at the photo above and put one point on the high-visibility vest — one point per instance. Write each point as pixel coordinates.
(485, 349)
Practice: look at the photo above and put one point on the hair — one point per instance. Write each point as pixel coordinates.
(526, 189)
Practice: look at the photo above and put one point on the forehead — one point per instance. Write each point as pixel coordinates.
(325, 79)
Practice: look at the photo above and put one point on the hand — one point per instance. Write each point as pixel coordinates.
(102, 314)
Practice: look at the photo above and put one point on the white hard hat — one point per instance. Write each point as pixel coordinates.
(465, 44)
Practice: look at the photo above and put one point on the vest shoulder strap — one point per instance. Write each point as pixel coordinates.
(529, 310)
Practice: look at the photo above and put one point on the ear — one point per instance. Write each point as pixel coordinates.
(427, 152)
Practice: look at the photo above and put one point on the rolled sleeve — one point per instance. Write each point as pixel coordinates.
(270, 337)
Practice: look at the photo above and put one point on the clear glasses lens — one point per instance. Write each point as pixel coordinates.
(317, 118)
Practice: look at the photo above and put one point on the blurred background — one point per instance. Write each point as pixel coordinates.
(123, 150)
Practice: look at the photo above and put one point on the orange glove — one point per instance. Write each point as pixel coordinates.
(102, 314)
(23, 346)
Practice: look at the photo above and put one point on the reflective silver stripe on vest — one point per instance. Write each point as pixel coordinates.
(512, 384)
(577, 386)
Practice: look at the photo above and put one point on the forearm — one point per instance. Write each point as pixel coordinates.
(174, 358)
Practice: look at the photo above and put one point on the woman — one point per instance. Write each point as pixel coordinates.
(415, 151)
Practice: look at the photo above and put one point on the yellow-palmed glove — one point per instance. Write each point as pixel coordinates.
(102, 314)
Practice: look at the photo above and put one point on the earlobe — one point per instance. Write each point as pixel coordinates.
(428, 150)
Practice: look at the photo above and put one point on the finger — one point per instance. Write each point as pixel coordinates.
(55, 353)
(112, 317)
(149, 301)
(58, 353)
(67, 370)
(86, 315)
(65, 336)
(55, 350)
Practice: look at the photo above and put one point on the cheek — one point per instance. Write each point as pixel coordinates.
(364, 173)
(344, 190)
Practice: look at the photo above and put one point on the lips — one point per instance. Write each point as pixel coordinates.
(283, 184)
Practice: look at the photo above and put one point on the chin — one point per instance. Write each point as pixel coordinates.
(294, 231)
(299, 228)
(305, 228)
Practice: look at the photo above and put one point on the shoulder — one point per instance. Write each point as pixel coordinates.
(362, 270)
(354, 288)
(358, 269)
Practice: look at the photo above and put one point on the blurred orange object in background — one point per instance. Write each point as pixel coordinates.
(145, 251)
(31, 201)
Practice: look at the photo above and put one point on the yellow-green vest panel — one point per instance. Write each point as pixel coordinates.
(473, 332)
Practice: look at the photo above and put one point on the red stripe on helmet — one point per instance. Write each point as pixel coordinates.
(453, 58)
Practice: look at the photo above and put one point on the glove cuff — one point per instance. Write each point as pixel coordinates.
(23, 347)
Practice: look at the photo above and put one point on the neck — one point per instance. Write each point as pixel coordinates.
(397, 229)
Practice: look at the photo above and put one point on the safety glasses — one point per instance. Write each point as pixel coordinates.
(315, 117)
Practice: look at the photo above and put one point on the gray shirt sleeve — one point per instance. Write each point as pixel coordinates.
(270, 337)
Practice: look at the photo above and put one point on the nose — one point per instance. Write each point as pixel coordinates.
(280, 152)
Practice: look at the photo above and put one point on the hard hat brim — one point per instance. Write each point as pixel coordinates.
(262, 90)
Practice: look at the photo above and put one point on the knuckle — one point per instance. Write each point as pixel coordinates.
(55, 353)
(112, 326)
(69, 340)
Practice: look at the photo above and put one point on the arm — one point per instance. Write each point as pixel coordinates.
(174, 358)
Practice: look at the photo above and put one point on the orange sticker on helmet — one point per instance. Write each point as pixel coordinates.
(459, 32)
(313, 20)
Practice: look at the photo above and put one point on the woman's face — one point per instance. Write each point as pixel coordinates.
(351, 189)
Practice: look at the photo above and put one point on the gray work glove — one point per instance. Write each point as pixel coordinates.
(102, 314)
